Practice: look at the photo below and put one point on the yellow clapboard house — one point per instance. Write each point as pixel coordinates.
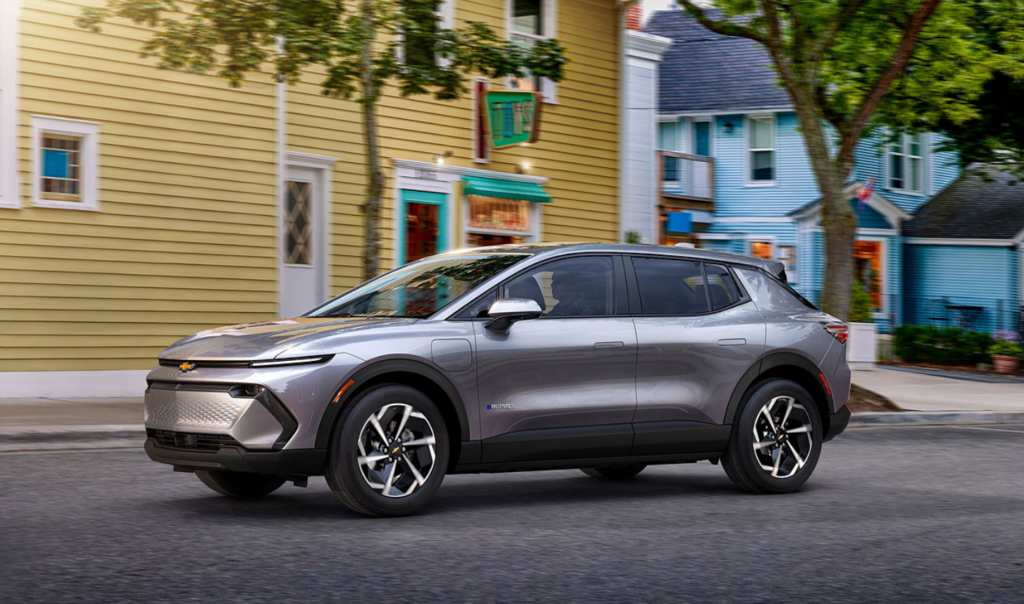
(139, 205)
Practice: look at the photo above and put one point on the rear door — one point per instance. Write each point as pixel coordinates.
(561, 386)
(697, 333)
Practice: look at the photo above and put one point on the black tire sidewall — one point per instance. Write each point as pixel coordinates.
(741, 446)
(343, 455)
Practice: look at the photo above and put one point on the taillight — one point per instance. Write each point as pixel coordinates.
(837, 330)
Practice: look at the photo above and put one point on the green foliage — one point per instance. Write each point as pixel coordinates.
(1006, 348)
(941, 345)
(860, 304)
(633, 237)
(237, 38)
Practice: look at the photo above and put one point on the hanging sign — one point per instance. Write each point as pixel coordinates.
(513, 117)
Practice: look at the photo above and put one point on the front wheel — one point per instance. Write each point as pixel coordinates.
(776, 439)
(241, 485)
(389, 452)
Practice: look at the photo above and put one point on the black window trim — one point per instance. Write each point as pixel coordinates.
(636, 305)
(619, 287)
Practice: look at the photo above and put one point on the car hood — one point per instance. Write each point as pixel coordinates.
(267, 340)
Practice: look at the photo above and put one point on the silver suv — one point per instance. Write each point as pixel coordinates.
(602, 357)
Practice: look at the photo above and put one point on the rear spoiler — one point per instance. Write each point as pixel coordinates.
(778, 269)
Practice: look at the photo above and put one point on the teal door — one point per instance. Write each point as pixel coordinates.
(422, 225)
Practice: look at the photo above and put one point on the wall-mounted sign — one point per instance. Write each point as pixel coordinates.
(512, 117)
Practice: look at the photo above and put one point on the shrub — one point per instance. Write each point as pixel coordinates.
(860, 303)
(941, 346)
(1005, 348)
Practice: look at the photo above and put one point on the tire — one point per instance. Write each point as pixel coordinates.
(241, 485)
(415, 471)
(799, 441)
(615, 472)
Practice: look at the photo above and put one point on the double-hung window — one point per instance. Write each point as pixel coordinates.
(761, 150)
(906, 163)
(64, 163)
(531, 21)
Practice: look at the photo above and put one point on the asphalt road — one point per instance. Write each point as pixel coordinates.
(891, 515)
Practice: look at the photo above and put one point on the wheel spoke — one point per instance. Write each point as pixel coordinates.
(380, 431)
(766, 412)
(370, 460)
(799, 460)
(778, 462)
(763, 445)
(805, 429)
(415, 472)
(789, 409)
(426, 440)
(405, 418)
(391, 479)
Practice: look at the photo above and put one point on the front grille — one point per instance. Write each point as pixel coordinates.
(191, 386)
(190, 441)
(201, 364)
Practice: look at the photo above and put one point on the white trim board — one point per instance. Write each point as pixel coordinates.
(461, 171)
(675, 116)
(88, 153)
(974, 242)
(9, 197)
(753, 219)
(73, 384)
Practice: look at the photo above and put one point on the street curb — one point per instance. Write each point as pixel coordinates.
(934, 418)
(22, 438)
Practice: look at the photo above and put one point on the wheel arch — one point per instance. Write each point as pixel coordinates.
(790, 366)
(415, 374)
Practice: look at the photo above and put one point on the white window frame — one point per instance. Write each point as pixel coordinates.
(749, 154)
(89, 132)
(9, 197)
(549, 13)
(884, 264)
(906, 157)
(445, 20)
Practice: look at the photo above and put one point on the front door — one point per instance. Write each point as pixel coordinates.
(422, 225)
(303, 282)
(561, 386)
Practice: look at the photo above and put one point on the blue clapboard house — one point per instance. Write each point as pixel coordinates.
(736, 177)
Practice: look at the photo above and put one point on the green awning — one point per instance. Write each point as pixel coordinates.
(505, 189)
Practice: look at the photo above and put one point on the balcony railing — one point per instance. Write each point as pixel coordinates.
(685, 176)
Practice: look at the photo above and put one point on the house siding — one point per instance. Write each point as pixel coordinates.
(984, 276)
(187, 237)
(187, 204)
(941, 168)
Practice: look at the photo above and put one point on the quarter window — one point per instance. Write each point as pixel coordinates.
(722, 288)
(761, 144)
(574, 287)
(906, 163)
(670, 287)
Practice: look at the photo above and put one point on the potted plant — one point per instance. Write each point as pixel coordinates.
(862, 349)
(1005, 355)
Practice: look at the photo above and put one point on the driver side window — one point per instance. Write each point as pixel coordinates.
(573, 287)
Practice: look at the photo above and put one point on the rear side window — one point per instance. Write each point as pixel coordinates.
(722, 287)
(670, 287)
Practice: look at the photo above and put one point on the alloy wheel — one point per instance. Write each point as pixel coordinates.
(782, 437)
(396, 450)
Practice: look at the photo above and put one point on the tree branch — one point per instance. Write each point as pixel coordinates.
(726, 28)
(826, 39)
(897, 65)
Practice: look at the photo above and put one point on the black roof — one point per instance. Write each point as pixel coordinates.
(973, 207)
(706, 72)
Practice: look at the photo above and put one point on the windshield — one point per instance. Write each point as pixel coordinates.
(418, 290)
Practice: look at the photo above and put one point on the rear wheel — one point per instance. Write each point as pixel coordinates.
(776, 439)
(615, 472)
(389, 452)
(242, 485)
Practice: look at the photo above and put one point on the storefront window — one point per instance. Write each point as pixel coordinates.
(497, 221)
(761, 249)
(867, 269)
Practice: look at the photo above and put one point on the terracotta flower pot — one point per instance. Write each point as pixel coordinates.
(1004, 363)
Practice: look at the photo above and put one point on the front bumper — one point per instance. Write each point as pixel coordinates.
(291, 462)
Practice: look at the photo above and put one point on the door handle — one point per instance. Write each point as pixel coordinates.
(732, 342)
(609, 345)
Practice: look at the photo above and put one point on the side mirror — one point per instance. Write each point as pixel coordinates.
(504, 313)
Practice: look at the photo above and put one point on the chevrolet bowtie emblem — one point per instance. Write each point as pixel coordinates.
(186, 367)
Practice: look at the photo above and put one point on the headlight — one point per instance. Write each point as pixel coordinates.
(296, 361)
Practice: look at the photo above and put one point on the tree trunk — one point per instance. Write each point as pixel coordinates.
(837, 216)
(375, 178)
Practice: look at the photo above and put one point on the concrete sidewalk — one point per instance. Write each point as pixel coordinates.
(930, 391)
